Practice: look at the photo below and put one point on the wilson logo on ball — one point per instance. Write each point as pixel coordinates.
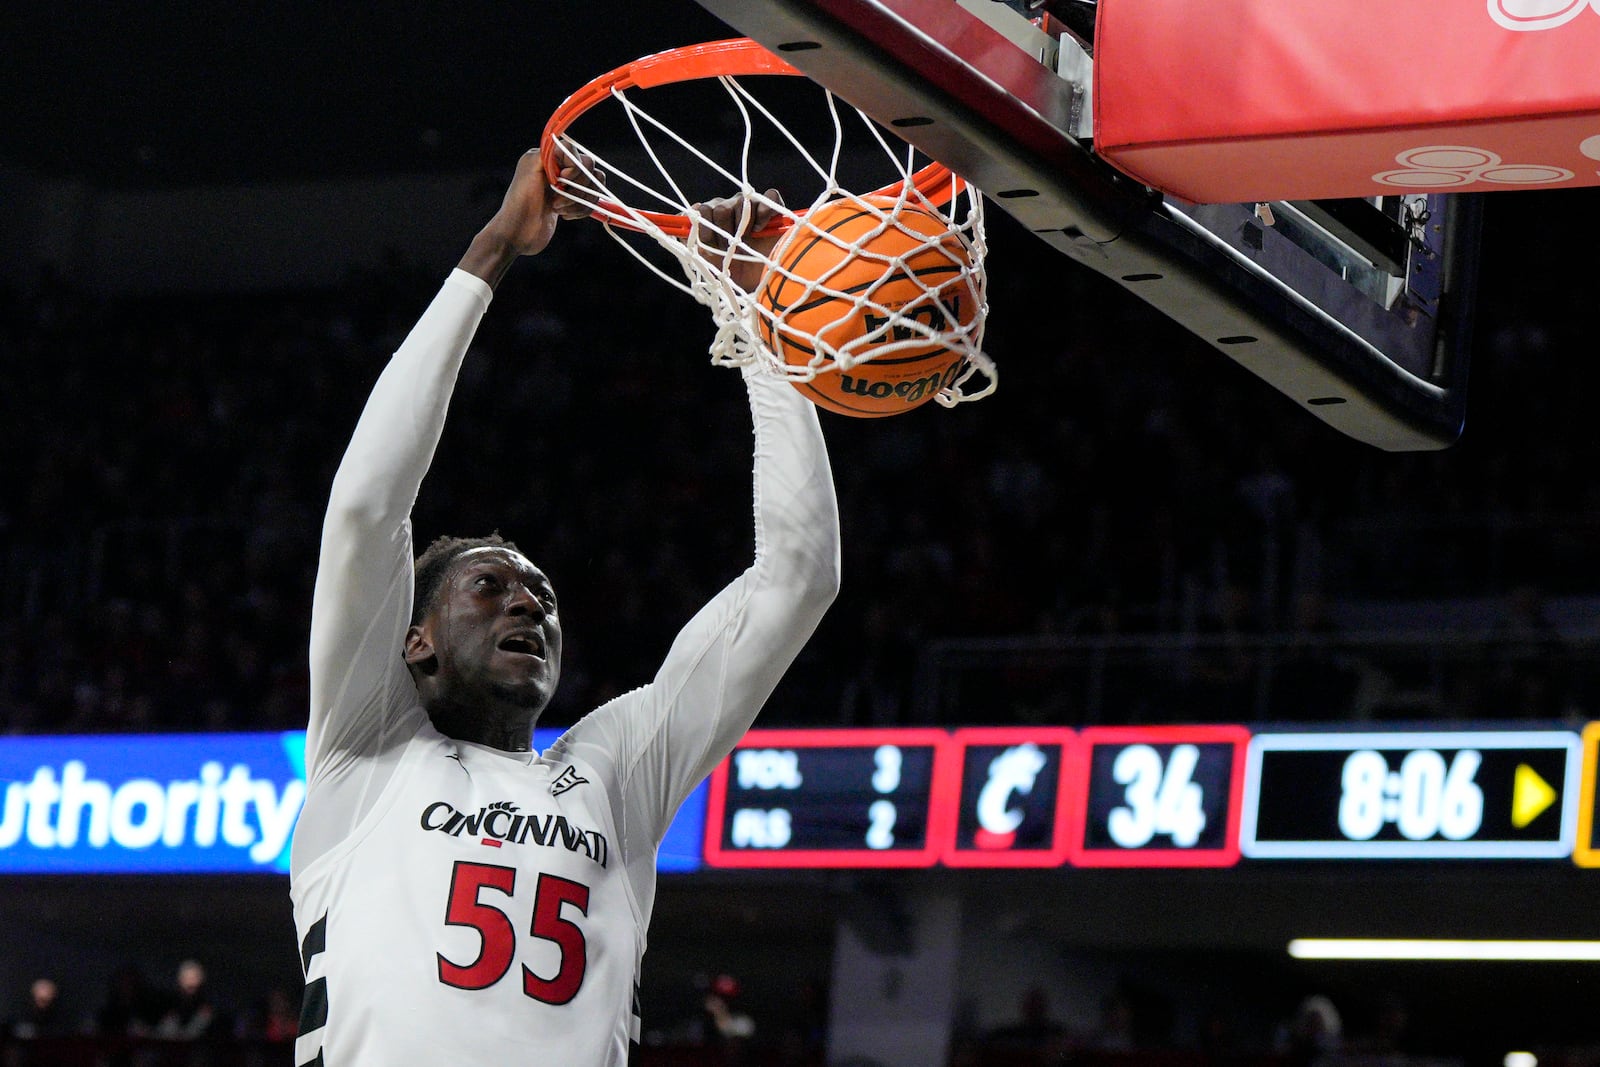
(910, 393)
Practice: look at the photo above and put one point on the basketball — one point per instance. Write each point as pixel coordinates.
(852, 278)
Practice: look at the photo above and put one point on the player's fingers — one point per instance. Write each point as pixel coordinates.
(575, 158)
(585, 177)
(715, 221)
(712, 210)
(738, 215)
(588, 187)
(766, 209)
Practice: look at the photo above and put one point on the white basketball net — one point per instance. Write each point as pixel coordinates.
(708, 255)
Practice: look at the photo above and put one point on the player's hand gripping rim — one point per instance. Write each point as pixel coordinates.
(738, 219)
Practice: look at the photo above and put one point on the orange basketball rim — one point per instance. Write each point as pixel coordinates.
(736, 57)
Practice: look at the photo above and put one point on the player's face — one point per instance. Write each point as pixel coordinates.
(496, 631)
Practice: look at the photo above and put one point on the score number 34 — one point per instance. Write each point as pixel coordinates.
(1161, 797)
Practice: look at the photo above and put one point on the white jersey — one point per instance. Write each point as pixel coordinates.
(461, 905)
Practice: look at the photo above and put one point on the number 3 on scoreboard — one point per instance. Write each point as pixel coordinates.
(467, 908)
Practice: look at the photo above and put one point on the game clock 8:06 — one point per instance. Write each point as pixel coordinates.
(1460, 794)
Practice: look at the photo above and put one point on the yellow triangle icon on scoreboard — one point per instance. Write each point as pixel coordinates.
(1530, 795)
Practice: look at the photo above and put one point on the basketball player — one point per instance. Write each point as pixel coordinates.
(461, 898)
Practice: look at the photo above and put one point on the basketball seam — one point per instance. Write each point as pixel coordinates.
(934, 279)
(811, 243)
(817, 238)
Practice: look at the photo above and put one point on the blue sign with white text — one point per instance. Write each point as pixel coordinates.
(146, 803)
(184, 803)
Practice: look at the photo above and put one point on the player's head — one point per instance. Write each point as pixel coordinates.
(484, 643)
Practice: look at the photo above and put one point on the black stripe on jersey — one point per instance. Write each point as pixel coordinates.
(636, 1024)
(314, 1004)
(314, 1008)
(316, 940)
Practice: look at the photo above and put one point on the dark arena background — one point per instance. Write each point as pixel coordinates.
(1254, 682)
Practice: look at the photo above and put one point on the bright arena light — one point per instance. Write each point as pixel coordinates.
(1332, 948)
(1521, 1059)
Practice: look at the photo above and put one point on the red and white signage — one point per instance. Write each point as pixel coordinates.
(1229, 101)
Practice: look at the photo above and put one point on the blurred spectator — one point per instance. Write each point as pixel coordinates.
(804, 1041)
(1530, 671)
(1314, 1035)
(190, 1014)
(130, 1008)
(1391, 1030)
(729, 1031)
(876, 689)
(1224, 665)
(1115, 1030)
(1035, 1032)
(1315, 678)
(718, 1025)
(40, 1014)
(276, 1019)
(1217, 1035)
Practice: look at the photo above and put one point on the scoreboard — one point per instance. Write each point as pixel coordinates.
(829, 798)
(1157, 796)
(1198, 796)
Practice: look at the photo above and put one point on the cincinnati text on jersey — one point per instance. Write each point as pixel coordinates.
(501, 823)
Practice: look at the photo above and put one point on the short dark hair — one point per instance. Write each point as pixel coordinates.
(434, 563)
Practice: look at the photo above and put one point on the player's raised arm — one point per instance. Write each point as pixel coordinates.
(525, 222)
(362, 599)
(728, 659)
(795, 574)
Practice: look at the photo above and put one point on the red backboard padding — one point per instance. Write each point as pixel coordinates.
(1228, 101)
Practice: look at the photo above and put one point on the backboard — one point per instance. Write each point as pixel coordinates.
(1357, 309)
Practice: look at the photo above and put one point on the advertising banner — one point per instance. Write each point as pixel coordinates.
(1237, 101)
(184, 803)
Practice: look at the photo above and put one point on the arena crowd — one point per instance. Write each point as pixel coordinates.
(165, 459)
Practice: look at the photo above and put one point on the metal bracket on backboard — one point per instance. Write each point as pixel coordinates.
(961, 91)
(1075, 67)
(1019, 31)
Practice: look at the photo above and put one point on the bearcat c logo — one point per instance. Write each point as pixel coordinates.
(1013, 771)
